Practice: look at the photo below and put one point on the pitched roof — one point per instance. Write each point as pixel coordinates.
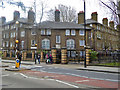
(61, 25)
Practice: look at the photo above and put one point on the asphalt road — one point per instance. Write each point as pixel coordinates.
(19, 80)
(64, 78)
(79, 73)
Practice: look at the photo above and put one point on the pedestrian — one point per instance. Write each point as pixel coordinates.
(20, 58)
(50, 57)
(35, 58)
(39, 58)
(47, 58)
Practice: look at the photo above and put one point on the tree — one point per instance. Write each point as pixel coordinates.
(39, 7)
(67, 13)
(113, 7)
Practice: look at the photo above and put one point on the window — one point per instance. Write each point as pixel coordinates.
(22, 44)
(33, 42)
(82, 53)
(73, 32)
(48, 32)
(73, 53)
(7, 43)
(91, 34)
(3, 44)
(46, 44)
(22, 33)
(82, 32)
(12, 26)
(67, 32)
(42, 32)
(14, 34)
(82, 42)
(58, 39)
(21, 24)
(4, 35)
(11, 35)
(7, 35)
(33, 32)
(70, 44)
(11, 44)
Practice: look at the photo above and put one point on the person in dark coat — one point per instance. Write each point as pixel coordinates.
(20, 58)
(39, 58)
(50, 57)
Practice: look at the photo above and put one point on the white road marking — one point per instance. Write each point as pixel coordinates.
(50, 79)
(5, 75)
(67, 83)
(24, 75)
(83, 81)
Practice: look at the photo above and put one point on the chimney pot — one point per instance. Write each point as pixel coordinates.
(57, 15)
(94, 16)
(16, 15)
(105, 21)
(81, 17)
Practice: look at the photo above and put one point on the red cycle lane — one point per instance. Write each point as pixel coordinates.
(75, 79)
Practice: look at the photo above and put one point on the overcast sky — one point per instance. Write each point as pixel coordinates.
(91, 6)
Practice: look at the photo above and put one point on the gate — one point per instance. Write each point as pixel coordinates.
(58, 56)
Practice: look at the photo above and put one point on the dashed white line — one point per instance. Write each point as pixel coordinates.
(5, 75)
(67, 84)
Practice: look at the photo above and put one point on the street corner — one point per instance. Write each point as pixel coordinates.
(16, 69)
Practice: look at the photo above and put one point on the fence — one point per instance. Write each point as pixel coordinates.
(106, 57)
(75, 56)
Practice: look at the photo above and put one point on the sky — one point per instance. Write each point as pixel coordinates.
(91, 6)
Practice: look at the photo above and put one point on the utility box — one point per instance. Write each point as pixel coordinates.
(17, 63)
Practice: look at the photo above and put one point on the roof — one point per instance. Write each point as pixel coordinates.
(61, 25)
(21, 20)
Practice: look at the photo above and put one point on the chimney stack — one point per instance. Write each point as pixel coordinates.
(31, 16)
(105, 21)
(111, 24)
(16, 15)
(3, 20)
(94, 16)
(57, 15)
(80, 17)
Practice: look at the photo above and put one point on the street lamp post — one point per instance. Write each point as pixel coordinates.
(85, 34)
(16, 41)
(35, 53)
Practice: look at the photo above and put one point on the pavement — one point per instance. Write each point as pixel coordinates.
(70, 66)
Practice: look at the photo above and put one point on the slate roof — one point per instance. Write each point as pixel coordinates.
(21, 20)
(61, 25)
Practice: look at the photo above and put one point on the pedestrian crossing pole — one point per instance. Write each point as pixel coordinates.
(85, 34)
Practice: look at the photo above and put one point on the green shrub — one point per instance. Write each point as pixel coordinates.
(93, 55)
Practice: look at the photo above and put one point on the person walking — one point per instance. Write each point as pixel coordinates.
(39, 58)
(20, 58)
(50, 57)
(35, 58)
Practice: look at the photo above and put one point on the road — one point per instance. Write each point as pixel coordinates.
(48, 76)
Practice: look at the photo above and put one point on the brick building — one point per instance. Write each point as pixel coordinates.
(57, 35)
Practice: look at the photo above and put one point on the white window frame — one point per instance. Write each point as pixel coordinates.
(11, 34)
(7, 43)
(73, 33)
(70, 43)
(22, 33)
(14, 34)
(67, 33)
(3, 44)
(45, 44)
(48, 32)
(81, 32)
(42, 31)
(22, 44)
(11, 44)
(82, 42)
(58, 39)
